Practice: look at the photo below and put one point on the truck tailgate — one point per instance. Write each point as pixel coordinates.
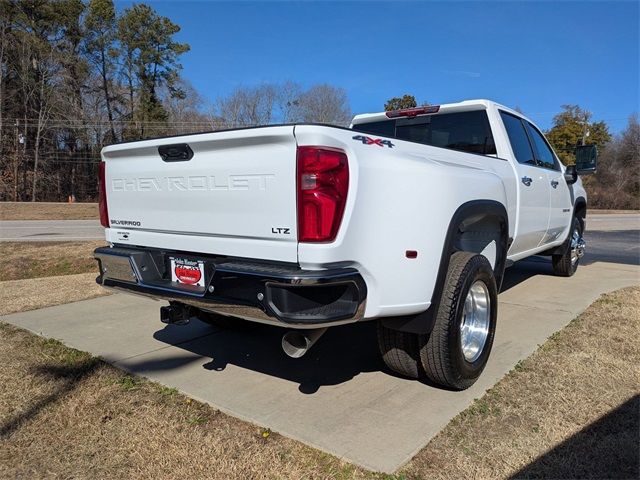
(235, 195)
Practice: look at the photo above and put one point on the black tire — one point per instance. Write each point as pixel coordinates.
(399, 351)
(441, 353)
(562, 264)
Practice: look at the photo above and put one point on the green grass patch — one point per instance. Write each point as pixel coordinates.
(128, 382)
(165, 391)
(196, 420)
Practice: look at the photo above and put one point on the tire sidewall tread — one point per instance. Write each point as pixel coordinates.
(441, 351)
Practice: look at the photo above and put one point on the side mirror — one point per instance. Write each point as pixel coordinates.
(571, 174)
(586, 159)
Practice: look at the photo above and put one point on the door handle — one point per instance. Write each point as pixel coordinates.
(554, 183)
(527, 181)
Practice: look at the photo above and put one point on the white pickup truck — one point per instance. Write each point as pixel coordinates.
(407, 217)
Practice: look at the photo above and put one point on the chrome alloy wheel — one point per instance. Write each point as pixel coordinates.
(578, 246)
(474, 328)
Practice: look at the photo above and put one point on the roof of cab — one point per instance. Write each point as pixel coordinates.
(476, 104)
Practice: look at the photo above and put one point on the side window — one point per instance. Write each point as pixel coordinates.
(385, 128)
(464, 131)
(544, 154)
(518, 139)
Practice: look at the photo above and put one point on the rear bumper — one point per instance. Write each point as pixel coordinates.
(278, 294)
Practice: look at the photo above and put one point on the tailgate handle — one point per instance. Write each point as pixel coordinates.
(180, 152)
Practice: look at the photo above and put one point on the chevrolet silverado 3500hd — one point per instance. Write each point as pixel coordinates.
(408, 217)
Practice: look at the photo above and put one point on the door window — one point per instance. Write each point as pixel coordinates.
(544, 154)
(518, 138)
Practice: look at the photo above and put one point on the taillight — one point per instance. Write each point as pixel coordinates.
(102, 196)
(413, 112)
(323, 183)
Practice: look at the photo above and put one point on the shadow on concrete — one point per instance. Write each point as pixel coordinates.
(608, 448)
(70, 378)
(341, 354)
(525, 269)
(173, 362)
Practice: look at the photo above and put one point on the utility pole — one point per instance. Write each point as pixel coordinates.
(585, 129)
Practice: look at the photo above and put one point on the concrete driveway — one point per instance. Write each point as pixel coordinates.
(50, 230)
(339, 398)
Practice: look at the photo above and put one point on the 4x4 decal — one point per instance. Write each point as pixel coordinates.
(373, 141)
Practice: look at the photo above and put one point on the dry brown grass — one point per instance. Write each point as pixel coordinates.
(31, 294)
(562, 393)
(43, 259)
(48, 211)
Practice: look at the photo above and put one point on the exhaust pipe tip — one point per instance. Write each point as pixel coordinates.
(296, 342)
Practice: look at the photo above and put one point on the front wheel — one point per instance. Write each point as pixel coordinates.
(456, 352)
(565, 265)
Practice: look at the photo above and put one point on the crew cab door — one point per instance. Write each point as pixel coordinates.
(533, 188)
(560, 200)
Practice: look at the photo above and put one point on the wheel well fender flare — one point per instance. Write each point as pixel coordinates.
(474, 209)
(580, 205)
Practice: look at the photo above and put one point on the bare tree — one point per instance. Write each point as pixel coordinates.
(288, 101)
(248, 106)
(617, 182)
(325, 104)
(284, 103)
(185, 110)
(4, 39)
(27, 90)
(46, 70)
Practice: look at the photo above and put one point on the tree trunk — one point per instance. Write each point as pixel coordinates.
(105, 86)
(36, 156)
(23, 160)
(3, 41)
(36, 152)
(16, 162)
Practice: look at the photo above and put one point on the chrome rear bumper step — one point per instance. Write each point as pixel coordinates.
(279, 294)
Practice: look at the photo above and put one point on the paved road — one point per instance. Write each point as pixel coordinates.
(613, 238)
(613, 222)
(61, 230)
(340, 397)
(50, 230)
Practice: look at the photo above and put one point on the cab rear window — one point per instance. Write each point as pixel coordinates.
(463, 131)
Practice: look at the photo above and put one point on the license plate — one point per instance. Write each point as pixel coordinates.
(187, 272)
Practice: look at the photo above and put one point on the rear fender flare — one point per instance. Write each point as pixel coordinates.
(422, 323)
